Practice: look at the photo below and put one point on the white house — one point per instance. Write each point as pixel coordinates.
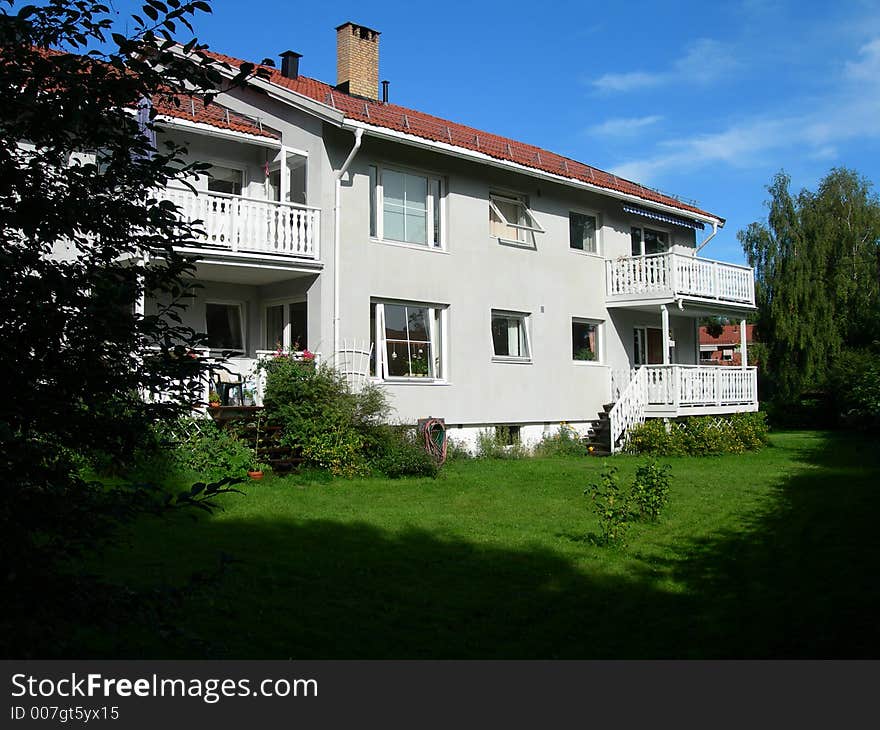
(488, 282)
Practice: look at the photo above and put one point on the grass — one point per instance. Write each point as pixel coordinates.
(772, 554)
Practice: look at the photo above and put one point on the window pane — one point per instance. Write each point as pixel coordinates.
(299, 324)
(636, 238)
(395, 322)
(499, 336)
(656, 241)
(373, 340)
(582, 232)
(417, 321)
(398, 359)
(420, 359)
(416, 230)
(223, 326)
(584, 343)
(509, 336)
(225, 180)
(435, 201)
(393, 188)
(373, 178)
(274, 327)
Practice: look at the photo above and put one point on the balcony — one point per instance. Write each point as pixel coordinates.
(669, 276)
(248, 225)
(683, 390)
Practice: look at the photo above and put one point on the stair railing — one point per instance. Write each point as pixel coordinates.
(629, 409)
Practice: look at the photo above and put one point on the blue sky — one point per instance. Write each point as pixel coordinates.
(705, 100)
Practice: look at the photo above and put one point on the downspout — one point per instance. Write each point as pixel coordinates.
(708, 238)
(358, 133)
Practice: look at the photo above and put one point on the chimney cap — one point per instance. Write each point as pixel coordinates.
(358, 25)
(284, 54)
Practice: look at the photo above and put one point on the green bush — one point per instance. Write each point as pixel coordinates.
(611, 506)
(320, 415)
(700, 435)
(565, 442)
(650, 490)
(398, 452)
(854, 389)
(200, 446)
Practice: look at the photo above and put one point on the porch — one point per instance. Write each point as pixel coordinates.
(634, 280)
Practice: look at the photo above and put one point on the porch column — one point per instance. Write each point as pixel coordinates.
(742, 344)
(284, 174)
(664, 326)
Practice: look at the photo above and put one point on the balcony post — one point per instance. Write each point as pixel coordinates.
(664, 327)
(716, 293)
(742, 344)
(284, 192)
(672, 263)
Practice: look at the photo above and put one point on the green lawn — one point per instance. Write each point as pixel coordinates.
(773, 554)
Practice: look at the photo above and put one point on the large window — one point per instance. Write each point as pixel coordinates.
(647, 241)
(510, 335)
(582, 232)
(287, 326)
(406, 207)
(407, 340)
(585, 340)
(511, 219)
(224, 326)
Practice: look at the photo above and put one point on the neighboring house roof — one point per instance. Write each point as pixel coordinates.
(193, 109)
(426, 126)
(730, 335)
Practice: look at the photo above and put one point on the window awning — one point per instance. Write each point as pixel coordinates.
(664, 217)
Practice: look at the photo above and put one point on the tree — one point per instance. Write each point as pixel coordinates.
(83, 238)
(817, 265)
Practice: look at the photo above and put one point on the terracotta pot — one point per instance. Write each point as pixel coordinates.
(255, 474)
(214, 404)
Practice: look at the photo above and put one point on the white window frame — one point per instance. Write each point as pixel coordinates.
(600, 340)
(521, 201)
(435, 210)
(525, 318)
(242, 321)
(598, 240)
(659, 229)
(436, 337)
(286, 333)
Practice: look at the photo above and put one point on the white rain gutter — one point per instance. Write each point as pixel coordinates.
(358, 134)
(463, 153)
(708, 238)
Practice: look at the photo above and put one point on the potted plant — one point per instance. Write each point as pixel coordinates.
(256, 472)
(214, 399)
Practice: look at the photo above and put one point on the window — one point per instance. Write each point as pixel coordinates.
(225, 180)
(224, 326)
(287, 326)
(510, 219)
(582, 232)
(407, 340)
(406, 207)
(584, 340)
(510, 337)
(647, 241)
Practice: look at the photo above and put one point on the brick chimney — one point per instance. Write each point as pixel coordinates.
(357, 60)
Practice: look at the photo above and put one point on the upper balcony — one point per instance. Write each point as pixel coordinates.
(635, 280)
(249, 225)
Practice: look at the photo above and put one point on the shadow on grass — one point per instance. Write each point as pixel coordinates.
(800, 581)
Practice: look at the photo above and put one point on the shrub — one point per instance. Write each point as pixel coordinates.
(700, 435)
(320, 415)
(650, 489)
(398, 452)
(854, 388)
(498, 443)
(565, 442)
(611, 506)
(199, 445)
(456, 451)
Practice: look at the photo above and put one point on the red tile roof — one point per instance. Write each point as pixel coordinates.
(410, 121)
(729, 335)
(193, 109)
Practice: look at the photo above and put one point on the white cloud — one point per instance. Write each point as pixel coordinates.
(623, 126)
(704, 61)
(811, 130)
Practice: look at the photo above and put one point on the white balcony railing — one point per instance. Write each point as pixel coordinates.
(250, 225)
(672, 275)
(684, 388)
